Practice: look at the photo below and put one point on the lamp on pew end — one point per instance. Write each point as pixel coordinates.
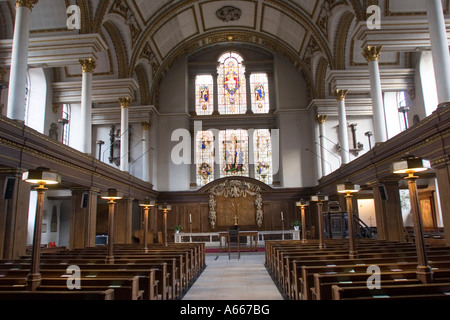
(303, 204)
(410, 166)
(40, 177)
(165, 208)
(320, 199)
(112, 195)
(349, 189)
(146, 205)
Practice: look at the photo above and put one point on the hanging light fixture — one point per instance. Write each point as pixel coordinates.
(410, 166)
(303, 204)
(112, 195)
(41, 177)
(146, 205)
(349, 189)
(320, 199)
(165, 208)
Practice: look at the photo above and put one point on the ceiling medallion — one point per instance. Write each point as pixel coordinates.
(229, 13)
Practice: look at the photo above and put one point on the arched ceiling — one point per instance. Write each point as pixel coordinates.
(146, 38)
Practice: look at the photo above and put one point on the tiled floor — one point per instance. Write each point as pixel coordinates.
(243, 279)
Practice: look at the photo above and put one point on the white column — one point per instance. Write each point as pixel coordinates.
(88, 66)
(439, 48)
(372, 55)
(321, 119)
(343, 132)
(146, 151)
(19, 60)
(124, 134)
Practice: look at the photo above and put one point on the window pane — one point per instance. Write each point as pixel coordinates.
(205, 157)
(233, 153)
(231, 84)
(263, 156)
(204, 95)
(259, 84)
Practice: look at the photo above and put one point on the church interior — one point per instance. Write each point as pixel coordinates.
(139, 138)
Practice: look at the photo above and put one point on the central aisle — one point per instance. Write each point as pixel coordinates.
(244, 279)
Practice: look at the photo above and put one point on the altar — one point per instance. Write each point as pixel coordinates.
(256, 238)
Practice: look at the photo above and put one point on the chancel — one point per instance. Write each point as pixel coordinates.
(311, 137)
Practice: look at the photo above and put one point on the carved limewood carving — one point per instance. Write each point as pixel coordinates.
(235, 189)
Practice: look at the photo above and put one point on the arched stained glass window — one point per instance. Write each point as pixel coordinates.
(204, 95)
(263, 155)
(205, 157)
(233, 153)
(231, 84)
(259, 84)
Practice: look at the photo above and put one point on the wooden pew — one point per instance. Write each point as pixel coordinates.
(160, 270)
(324, 282)
(124, 289)
(405, 292)
(145, 277)
(306, 276)
(57, 295)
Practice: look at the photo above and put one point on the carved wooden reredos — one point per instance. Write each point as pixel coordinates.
(235, 199)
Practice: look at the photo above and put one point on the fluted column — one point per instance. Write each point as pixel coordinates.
(88, 66)
(124, 134)
(343, 132)
(19, 60)
(371, 54)
(439, 48)
(146, 151)
(321, 120)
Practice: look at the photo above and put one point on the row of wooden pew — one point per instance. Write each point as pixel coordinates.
(303, 271)
(159, 273)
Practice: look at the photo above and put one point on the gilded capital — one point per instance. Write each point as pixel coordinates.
(125, 102)
(146, 125)
(372, 53)
(321, 119)
(26, 3)
(341, 94)
(88, 65)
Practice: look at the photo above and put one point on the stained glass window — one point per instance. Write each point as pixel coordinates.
(231, 84)
(233, 153)
(205, 157)
(263, 155)
(259, 84)
(204, 95)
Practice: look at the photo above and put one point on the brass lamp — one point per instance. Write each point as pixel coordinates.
(303, 204)
(349, 189)
(146, 205)
(165, 208)
(412, 165)
(112, 195)
(40, 177)
(320, 199)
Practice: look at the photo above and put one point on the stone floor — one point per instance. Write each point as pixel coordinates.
(233, 279)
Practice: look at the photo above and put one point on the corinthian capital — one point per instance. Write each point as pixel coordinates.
(88, 65)
(341, 94)
(26, 3)
(125, 102)
(321, 119)
(372, 53)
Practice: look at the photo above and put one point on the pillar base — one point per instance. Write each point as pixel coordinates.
(353, 255)
(424, 274)
(109, 259)
(34, 281)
